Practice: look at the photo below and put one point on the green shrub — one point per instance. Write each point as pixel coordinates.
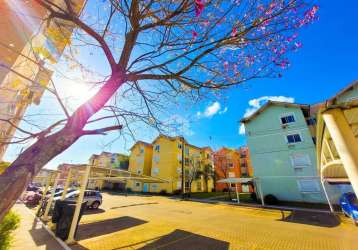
(163, 192)
(9, 223)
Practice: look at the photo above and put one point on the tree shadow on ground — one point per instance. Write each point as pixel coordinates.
(90, 230)
(180, 239)
(311, 218)
(136, 204)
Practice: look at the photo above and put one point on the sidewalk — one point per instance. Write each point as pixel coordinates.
(31, 234)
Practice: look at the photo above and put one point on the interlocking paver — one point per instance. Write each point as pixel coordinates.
(172, 224)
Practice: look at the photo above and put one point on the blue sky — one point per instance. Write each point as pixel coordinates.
(326, 63)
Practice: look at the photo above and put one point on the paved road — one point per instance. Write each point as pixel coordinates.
(137, 222)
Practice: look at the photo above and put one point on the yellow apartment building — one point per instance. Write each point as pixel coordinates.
(27, 47)
(107, 160)
(140, 162)
(167, 163)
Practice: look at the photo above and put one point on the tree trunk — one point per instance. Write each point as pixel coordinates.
(16, 178)
(18, 175)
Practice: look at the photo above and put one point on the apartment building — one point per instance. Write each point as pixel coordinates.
(170, 156)
(27, 47)
(140, 162)
(110, 160)
(232, 163)
(281, 138)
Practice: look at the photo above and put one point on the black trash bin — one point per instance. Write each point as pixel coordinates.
(63, 215)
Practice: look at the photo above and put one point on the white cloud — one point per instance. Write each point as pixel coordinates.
(211, 110)
(242, 129)
(223, 111)
(255, 104)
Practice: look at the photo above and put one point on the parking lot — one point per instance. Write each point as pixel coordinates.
(154, 222)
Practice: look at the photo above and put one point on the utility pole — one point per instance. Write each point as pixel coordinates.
(182, 168)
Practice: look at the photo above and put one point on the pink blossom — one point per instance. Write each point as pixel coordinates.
(199, 7)
(234, 32)
(195, 34)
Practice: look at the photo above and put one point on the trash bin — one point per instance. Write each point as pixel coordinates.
(63, 215)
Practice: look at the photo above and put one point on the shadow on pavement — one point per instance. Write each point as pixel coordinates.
(311, 218)
(136, 204)
(94, 211)
(42, 238)
(90, 230)
(179, 239)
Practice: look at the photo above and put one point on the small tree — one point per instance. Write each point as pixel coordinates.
(192, 172)
(209, 174)
(222, 168)
(149, 54)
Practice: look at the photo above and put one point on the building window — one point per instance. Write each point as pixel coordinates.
(179, 145)
(300, 160)
(287, 119)
(155, 171)
(141, 150)
(230, 165)
(157, 148)
(186, 151)
(139, 171)
(156, 158)
(233, 185)
(154, 187)
(198, 186)
(137, 184)
(294, 138)
(308, 186)
(186, 162)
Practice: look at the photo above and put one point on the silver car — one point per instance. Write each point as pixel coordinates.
(93, 198)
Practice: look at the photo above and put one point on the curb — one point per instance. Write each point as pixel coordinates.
(248, 205)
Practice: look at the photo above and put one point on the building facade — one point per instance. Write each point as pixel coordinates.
(110, 160)
(107, 160)
(233, 163)
(27, 47)
(281, 139)
(170, 156)
(140, 162)
(337, 143)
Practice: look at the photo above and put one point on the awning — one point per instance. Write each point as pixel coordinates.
(236, 180)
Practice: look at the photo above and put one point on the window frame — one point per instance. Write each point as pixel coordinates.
(300, 166)
(318, 188)
(293, 134)
(286, 115)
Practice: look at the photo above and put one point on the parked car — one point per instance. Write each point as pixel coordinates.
(93, 198)
(349, 204)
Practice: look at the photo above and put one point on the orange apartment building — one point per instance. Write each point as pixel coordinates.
(233, 163)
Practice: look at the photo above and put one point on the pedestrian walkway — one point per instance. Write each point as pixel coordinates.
(31, 233)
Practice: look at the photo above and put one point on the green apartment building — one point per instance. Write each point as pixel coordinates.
(281, 139)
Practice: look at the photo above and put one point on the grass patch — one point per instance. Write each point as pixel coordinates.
(9, 223)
